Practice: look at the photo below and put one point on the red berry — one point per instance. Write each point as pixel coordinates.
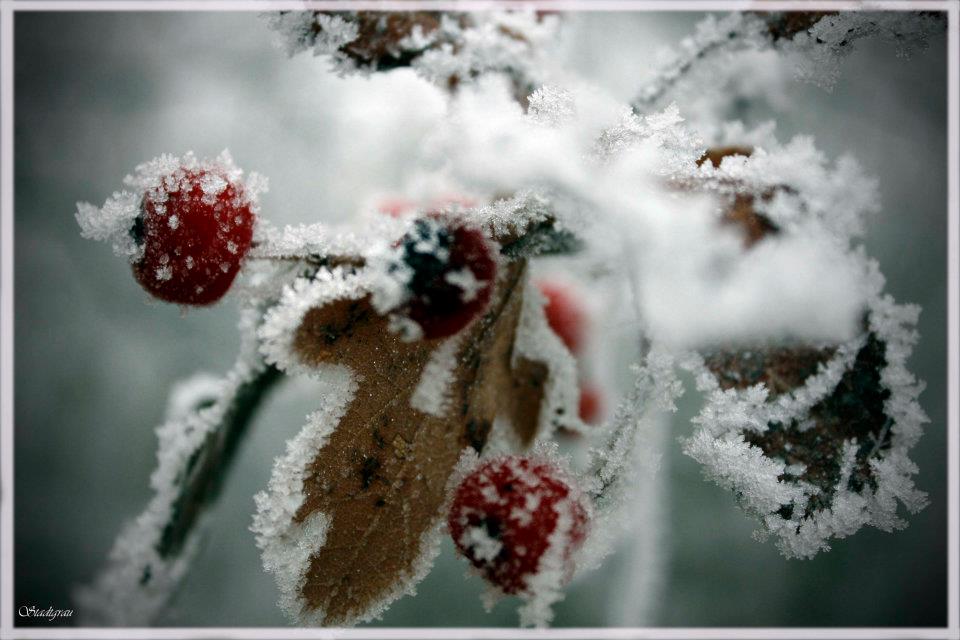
(452, 271)
(195, 227)
(591, 404)
(565, 315)
(509, 512)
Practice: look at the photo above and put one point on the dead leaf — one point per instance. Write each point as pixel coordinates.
(381, 476)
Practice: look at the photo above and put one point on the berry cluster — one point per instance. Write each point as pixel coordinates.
(512, 515)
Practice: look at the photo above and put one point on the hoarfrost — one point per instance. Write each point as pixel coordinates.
(278, 330)
(112, 222)
(287, 544)
(536, 341)
(710, 56)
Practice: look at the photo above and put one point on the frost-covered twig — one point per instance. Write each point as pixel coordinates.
(206, 420)
(814, 41)
(656, 387)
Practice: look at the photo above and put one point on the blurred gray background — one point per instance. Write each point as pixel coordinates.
(97, 93)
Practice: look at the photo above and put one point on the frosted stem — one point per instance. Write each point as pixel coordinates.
(207, 419)
(207, 466)
(713, 37)
(609, 462)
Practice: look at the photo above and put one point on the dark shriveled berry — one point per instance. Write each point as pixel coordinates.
(195, 227)
(452, 271)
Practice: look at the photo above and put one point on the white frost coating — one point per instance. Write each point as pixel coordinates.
(838, 196)
(515, 42)
(305, 240)
(625, 455)
(731, 410)
(561, 559)
(287, 545)
(137, 582)
(551, 106)
(278, 330)
(536, 341)
(735, 465)
(298, 31)
(114, 221)
(466, 282)
(764, 484)
(432, 395)
(464, 46)
(708, 60)
(606, 170)
(713, 37)
(545, 587)
(817, 54)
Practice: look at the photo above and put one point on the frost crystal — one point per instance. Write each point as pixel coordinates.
(447, 49)
(432, 393)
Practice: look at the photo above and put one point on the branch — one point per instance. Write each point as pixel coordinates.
(207, 419)
(819, 38)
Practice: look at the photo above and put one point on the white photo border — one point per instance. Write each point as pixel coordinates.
(8, 9)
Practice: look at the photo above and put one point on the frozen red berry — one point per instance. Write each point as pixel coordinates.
(513, 516)
(448, 270)
(195, 227)
(591, 404)
(566, 315)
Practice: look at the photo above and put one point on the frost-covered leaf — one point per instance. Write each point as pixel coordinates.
(350, 520)
(814, 439)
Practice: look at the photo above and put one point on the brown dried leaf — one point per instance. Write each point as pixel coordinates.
(785, 25)
(381, 476)
(741, 213)
(716, 154)
(854, 410)
(781, 369)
